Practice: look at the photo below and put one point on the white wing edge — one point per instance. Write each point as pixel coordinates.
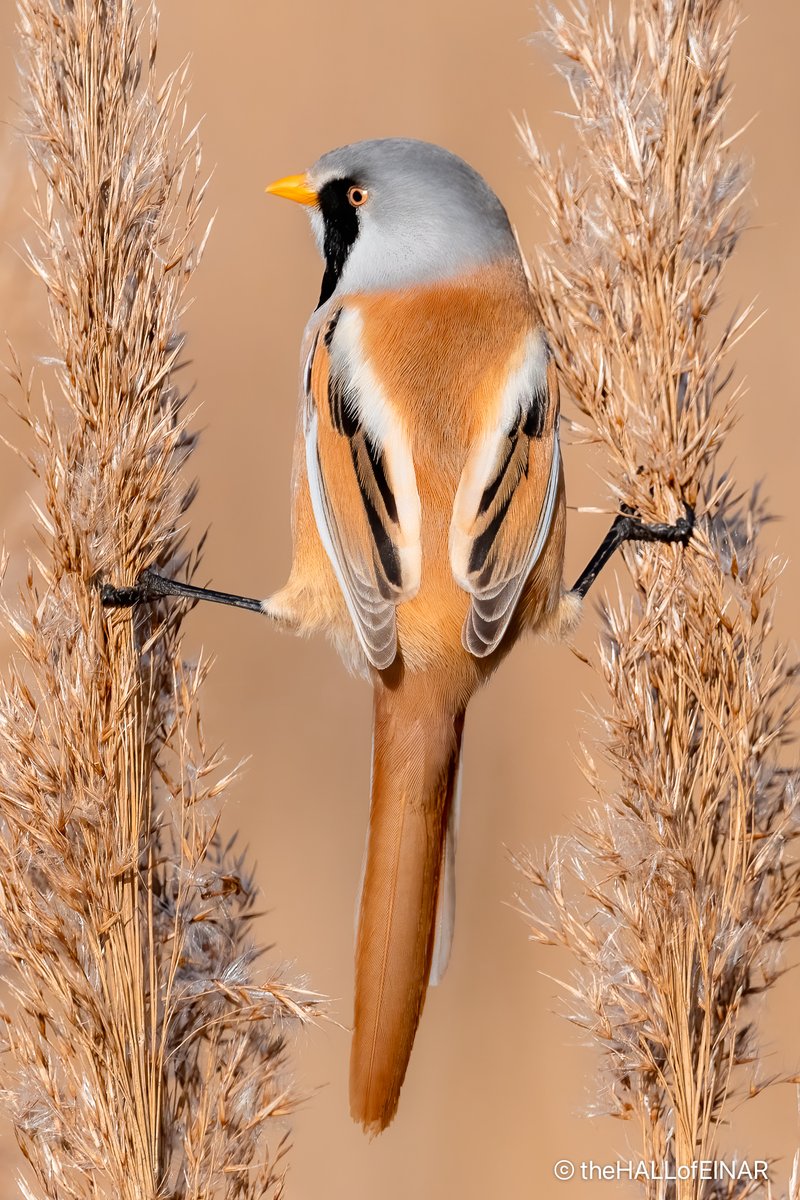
(385, 428)
(542, 531)
(319, 506)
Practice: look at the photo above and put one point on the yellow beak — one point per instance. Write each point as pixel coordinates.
(294, 187)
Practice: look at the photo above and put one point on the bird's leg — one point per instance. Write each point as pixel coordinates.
(151, 586)
(626, 528)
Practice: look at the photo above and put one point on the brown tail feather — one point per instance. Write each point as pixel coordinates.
(415, 762)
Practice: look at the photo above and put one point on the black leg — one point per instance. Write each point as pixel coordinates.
(154, 587)
(627, 529)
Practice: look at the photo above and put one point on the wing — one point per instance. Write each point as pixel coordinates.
(506, 498)
(362, 484)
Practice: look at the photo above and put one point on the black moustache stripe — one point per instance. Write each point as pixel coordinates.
(341, 230)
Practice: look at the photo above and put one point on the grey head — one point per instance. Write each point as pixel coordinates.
(396, 212)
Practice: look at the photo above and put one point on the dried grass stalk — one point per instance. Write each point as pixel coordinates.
(682, 885)
(144, 1057)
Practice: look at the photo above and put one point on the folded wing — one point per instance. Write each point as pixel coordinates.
(506, 497)
(362, 484)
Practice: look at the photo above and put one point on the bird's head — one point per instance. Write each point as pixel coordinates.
(396, 212)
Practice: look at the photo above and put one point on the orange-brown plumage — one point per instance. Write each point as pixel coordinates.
(428, 526)
(428, 522)
(415, 764)
(442, 354)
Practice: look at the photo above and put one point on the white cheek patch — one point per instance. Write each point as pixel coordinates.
(317, 228)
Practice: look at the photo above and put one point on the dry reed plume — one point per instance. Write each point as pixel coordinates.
(144, 1058)
(681, 886)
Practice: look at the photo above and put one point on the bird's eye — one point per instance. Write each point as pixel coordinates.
(357, 196)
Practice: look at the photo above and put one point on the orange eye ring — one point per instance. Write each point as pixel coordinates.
(357, 196)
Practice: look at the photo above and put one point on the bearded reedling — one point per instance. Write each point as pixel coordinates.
(429, 524)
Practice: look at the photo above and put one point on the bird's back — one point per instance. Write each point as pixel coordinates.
(443, 353)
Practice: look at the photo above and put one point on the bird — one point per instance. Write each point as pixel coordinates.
(429, 525)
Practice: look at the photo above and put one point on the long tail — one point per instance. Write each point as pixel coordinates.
(414, 773)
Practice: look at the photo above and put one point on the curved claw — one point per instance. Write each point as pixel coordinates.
(627, 528)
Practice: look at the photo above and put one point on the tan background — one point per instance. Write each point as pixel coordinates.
(498, 1082)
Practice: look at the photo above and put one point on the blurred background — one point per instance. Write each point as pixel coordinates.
(499, 1085)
